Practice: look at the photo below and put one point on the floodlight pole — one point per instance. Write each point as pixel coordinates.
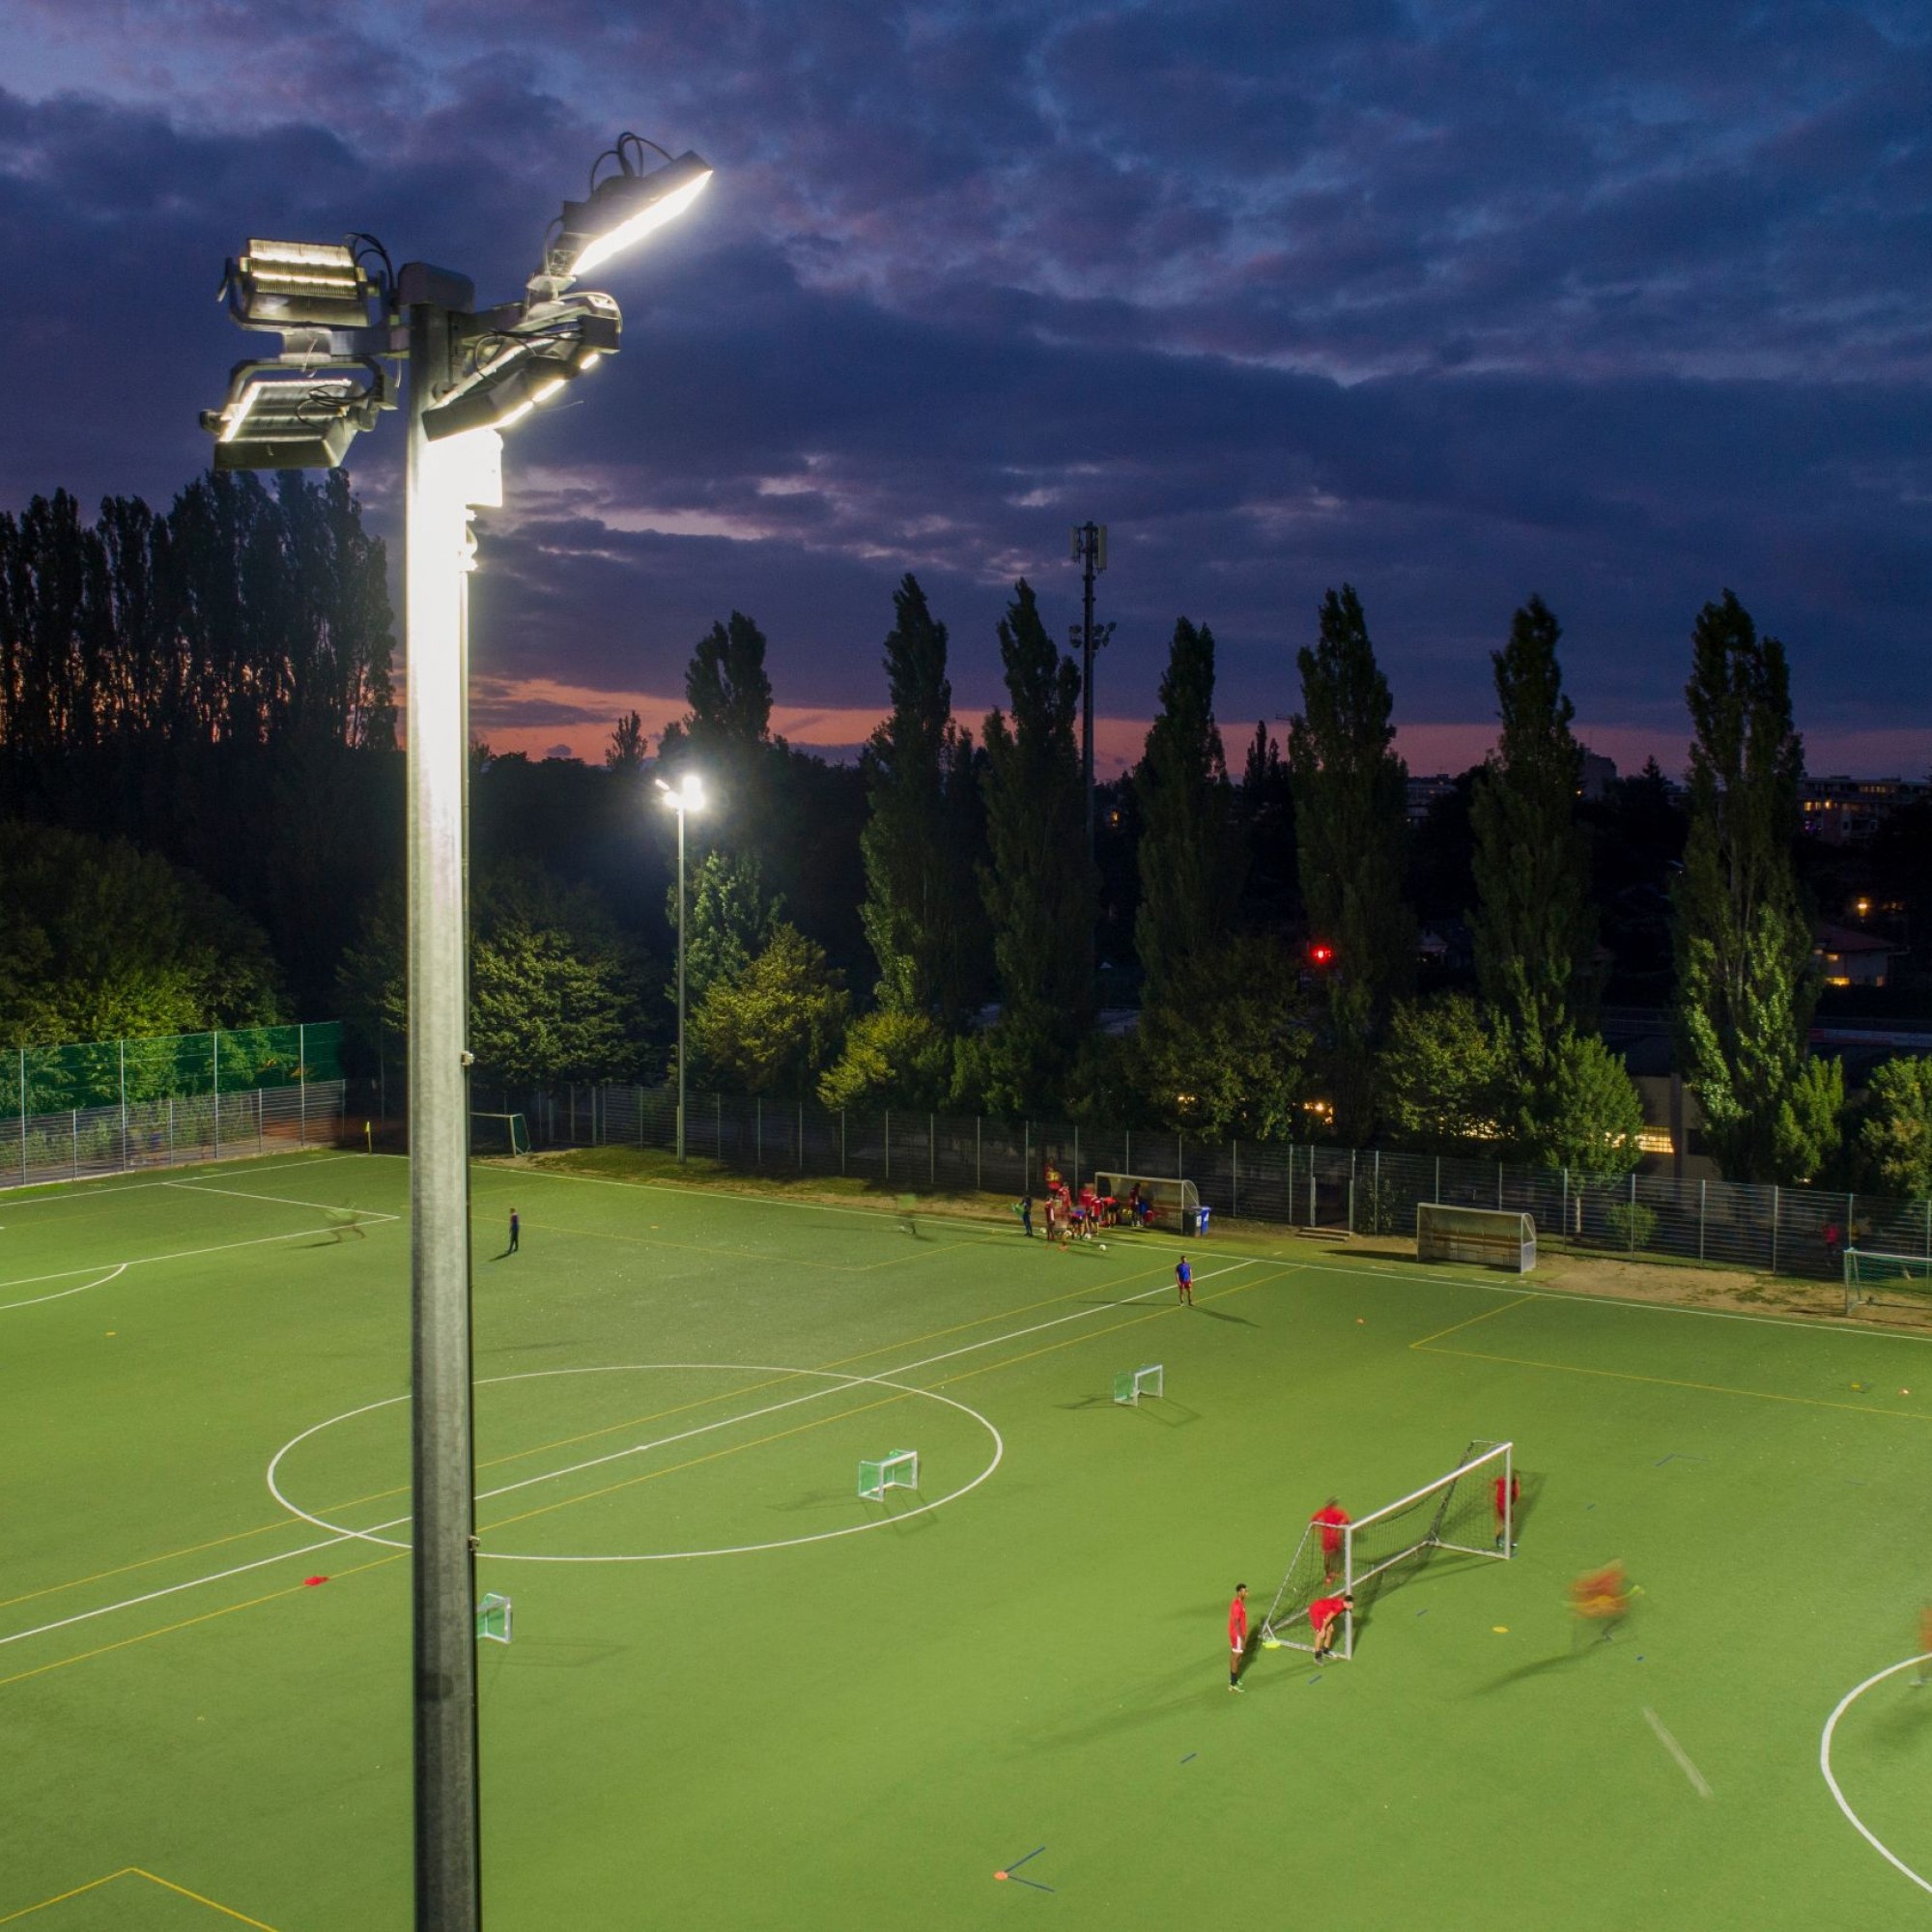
(679, 806)
(1089, 548)
(442, 1536)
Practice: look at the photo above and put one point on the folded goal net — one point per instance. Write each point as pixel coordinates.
(1469, 1511)
(1887, 1281)
(1168, 1197)
(498, 1134)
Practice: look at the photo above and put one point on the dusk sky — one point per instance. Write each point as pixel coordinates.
(1621, 304)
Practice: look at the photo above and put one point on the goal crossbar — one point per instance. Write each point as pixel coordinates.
(1456, 1512)
(1868, 1274)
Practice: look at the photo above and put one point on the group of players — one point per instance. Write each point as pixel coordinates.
(1077, 1217)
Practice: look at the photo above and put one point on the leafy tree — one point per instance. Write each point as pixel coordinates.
(553, 989)
(892, 1059)
(1188, 861)
(1229, 1061)
(1895, 1139)
(1351, 802)
(922, 913)
(1592, 1115)
(773, 1026)
(732, 918)
(628, 744)
(98, 941)
(1264, 807)
(1039, 888)
(1746, 983)
(1445, 1075)
(1532, 921)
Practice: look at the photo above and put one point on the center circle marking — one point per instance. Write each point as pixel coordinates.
(839, 1379)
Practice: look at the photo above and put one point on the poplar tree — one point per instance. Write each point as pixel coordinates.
(922, 913)
(1351, 804)
(1039, 888)
(1189, 873)
(1746, 983)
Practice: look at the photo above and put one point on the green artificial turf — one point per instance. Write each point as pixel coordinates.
(833, 1730)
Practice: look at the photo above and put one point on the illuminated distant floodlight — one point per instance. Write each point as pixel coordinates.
(687, 795)
(298, 285)
(278, 419)
(621, 209)
(552, 343)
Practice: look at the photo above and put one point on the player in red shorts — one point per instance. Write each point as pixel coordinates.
(1325, 1614)
(1506, 1507)
(1332, 1520)
(1237, 1635)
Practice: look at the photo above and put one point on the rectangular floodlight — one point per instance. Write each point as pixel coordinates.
(298, 285)
(304, 421)
(621, 209)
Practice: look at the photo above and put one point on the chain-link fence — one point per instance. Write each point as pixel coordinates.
(112, 1106)
(1791, 1231)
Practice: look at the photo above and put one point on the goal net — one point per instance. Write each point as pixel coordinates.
(1458, 1512)
(1131, 1384)
(498, 1134)
(494, 1617)
(1888, 1281)
(1168, 1198)
(896, 1470)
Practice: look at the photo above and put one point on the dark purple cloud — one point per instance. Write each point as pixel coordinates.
(1621, 304)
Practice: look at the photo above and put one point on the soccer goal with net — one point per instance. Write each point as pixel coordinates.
(498, 1134)
(1470, 1511)
(896, 1470)
(494, 1616)
(1168, 1199)
(1131, 1384)
(1488, 1237)
(1887, 1281)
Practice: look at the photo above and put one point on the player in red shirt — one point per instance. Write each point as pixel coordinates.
(1237, 1634)
(1325, 1614)
(1506, 1511)
(1332, 1520)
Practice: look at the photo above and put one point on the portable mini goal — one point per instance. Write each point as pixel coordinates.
(1458, 1512)
(493, 1617)
(1131, 1384)
(898, 1469)
(1887, 1281)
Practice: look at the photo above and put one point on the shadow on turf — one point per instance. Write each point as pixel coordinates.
(1163, 1410)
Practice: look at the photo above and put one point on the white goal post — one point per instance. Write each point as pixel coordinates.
(1471, 1512)
(1873, 1280)
(1488, 1237)
(1131, 1384)
(1170, 1197)
(897, 1470)
(498, 1134)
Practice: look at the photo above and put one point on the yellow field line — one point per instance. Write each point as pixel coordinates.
(188, 1623)
(228, 1911)
(1488, 1315)
(1670, 1381)
(60, 1898)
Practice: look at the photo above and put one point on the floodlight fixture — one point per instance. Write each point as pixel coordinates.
(281, 418)
(687, 795)
(524, 357)
(298, 285)
(620, 210)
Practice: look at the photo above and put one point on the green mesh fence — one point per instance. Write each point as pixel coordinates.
(120, 1072)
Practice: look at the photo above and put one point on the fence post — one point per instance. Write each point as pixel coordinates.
(23, 1122)
(977, 1178)
(1351, 1190)
(718, 1127)
(1026, 1157)
(1851, 1221)
(758, 1128)
(1566, 1203)
(261, 1125)
(1632, 1213)
(301, 1082)
(932, 1151)
(801, 1136)
(122, 1045)
(842, 1142)
(1076, 1163)
(1703, 1195)
(171, 1133)
(215, 1037)
(1234, 1181)
(1773, 1227)
(888, 1147)
(1499, 1186)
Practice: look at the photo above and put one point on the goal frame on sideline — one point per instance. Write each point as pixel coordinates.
(519, 1131)
(1914, 1268)
(1485, 1236)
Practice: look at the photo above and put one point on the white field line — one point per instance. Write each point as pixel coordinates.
(369, 1535)
(176, 1255)
(282, 1200)
(1677, 1751)
(61, 1294)
(1858, 1825)
(97, 1185)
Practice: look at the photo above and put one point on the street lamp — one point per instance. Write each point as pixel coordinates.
(689, 797)
(343, 328)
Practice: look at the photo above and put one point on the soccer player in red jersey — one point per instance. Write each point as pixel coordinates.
(1332, 1519)
(1325, 1614)
(1506, 1507)
(1237, 1635)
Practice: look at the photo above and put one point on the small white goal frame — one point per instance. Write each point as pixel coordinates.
(495, 1618)
(897, 1470)
(1131, 1384)
(1910, 1270)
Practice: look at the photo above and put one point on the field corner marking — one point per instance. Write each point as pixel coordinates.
(213, 1904)
(61, 1897)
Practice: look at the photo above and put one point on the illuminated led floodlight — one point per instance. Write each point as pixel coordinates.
(551, 343)
(687, 795)
(300, 420)
(621, 209)
(298, 285)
